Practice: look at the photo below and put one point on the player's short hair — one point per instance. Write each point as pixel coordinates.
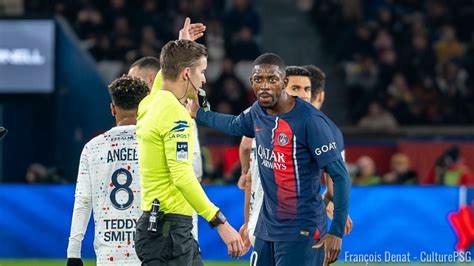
(177, 55)
(148, 62)
(297, 71)
(318, 79)
(270, 59)
(127, 92)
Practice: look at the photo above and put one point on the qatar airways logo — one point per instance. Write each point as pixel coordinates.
(21, 56)
(325, 148)
(271, 159)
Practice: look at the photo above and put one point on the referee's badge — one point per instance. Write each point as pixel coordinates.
(181, 151)
(282, 139)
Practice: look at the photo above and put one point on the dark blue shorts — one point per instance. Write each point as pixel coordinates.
(289, 253)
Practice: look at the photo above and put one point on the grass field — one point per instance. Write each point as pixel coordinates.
(207, 263)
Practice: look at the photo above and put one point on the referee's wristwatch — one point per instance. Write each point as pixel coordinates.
(218, 219)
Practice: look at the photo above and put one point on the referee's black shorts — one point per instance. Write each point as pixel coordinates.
(171, 244)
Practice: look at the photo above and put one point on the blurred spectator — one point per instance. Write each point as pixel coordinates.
(416, 39)
(240, 15)
(419, 59)
(89, 21)
(401, 172)
(361, 78)
(229, 92)
(39, 174)
(244, 47)
(121, 38)
(115, 10)
(378, 119)
(150, 16)
(401, 99)
(215, 40)
(366, 172)
(452, 80)
(448, 47)
(149, 38)
(450, 170)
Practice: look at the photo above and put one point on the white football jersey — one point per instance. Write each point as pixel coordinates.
(108, 183)
(256, 194)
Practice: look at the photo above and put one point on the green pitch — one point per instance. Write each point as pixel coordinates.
(207, 263)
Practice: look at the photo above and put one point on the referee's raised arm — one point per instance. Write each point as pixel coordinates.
(170, 190)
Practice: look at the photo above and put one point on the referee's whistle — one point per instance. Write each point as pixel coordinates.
(155, 207)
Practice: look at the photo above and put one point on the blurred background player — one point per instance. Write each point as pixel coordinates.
(108, 182)
(317, 96)
(292, 219)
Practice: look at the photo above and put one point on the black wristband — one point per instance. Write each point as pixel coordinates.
(218, 219)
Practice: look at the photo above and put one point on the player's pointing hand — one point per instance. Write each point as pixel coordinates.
(332, 248)
(190, 31)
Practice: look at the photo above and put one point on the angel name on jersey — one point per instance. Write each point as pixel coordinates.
(119, 230)
(123, 154)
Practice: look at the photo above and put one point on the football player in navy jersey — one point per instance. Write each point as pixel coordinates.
(293, 143)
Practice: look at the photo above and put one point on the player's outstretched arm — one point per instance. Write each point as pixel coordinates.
(240, 125)
(81, 212)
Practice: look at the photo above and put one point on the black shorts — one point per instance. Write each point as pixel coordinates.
(171, 244)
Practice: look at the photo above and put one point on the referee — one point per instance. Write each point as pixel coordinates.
(170, 190)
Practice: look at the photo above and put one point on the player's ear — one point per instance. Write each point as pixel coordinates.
(285, 81)
(185, 73)
(112, 109)
(322, 97)
(151, 80)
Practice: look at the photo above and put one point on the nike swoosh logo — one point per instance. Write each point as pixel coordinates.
(258, 129)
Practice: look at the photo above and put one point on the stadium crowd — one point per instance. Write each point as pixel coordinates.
(408, 62)
(118, 32)
(403, 62)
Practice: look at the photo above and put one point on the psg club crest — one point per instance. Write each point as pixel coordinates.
(282, 139)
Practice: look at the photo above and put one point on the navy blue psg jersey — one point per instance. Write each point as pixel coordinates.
(338, 137)
(291, 149)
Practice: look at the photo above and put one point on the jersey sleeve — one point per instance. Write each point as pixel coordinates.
(197, 160)
(241, 125)
(178, 142)
(342, 185)
(82, 207)
(321, 141)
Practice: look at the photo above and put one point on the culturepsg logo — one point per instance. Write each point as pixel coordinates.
(282, 139)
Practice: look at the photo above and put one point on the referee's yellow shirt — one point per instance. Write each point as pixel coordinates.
(165, 150)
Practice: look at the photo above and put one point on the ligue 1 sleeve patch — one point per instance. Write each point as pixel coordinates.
(181, 151)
